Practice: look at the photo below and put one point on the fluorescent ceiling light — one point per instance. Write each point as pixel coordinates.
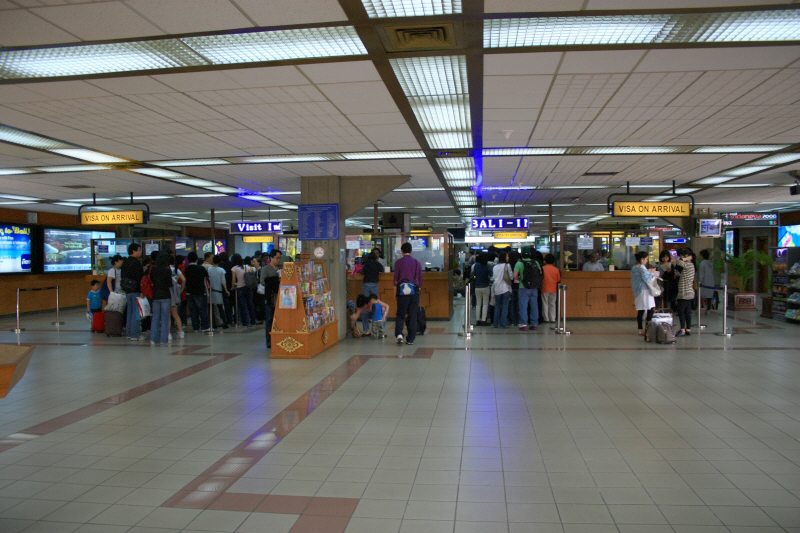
(92, 199)
(410, 8)
(419, 189)
(645, 28)
(17, 203)
(195, 182)
(725, 203)
(456, 163)
(15, 197)
(68, 204)
(228, 190)
(686, 190)
(158, 173)
(741, 171)
(256, 197)
(449, 140)
(658, 198)
(89, 155)
(778, 159)
(71, 168)
(554, 187)
(402, 154)
(711, 181)
(14, 171)
(745, 185)
(628, 150)
(510, 188)
(523, 151)
(743, 148)
(163, 197)
(190, 162)
(200, 195)
(281, 158)
(13, 135)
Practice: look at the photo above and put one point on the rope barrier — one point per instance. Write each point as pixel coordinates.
(39, 289)
(58, 322)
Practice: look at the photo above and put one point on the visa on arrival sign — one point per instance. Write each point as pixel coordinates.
(652, 209)
(498, 223)
(112, 217)
(264, 226)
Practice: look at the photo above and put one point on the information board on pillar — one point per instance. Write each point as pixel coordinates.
(318, 222)
(250, 228)
(498, 223)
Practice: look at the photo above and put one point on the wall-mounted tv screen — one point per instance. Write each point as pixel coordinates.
(67, 250)
(710, 227)
(789, 236)
(15, 249)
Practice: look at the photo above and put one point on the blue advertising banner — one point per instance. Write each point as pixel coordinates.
(15, 249)
(318, 222)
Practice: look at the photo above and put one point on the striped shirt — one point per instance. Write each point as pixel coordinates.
(686, 281)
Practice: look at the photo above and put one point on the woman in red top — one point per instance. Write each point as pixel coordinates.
(552, 277)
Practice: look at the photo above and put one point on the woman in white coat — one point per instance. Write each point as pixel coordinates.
(644, 301)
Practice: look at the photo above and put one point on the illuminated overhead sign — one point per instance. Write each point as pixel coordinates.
(95, 218)
(652, 209)
(264, 226)
(252, 239)
(498, 223)
(739, 220)
(511, 235)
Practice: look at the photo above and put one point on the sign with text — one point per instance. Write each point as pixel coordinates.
(497, 223)
(585, 243)
(318, 222)
(95, 218)
(263, 226)
(632, 241)
(645, 241)
(652, 209)
(511, 235)
(749, 220)
(254, 239)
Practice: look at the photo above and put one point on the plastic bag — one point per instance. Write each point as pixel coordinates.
(116, 302)
(144, 307)
(89, 317)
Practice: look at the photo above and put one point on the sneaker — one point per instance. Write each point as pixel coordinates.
(409, 343)
(169, 339)
(523, 328)
(181, 335)
(383, 336)
(153, 343)
(400, 339)
(533, 328)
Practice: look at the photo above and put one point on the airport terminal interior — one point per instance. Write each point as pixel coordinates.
(353, 124)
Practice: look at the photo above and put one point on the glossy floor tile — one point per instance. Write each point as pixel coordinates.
(507, 431)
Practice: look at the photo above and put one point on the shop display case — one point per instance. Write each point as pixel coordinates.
(786, 284)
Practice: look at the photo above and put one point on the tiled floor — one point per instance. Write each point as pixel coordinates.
(505, 432)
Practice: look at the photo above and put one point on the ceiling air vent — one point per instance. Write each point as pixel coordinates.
(423, 37)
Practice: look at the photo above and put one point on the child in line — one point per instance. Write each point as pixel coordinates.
(94, 301)
(380, 310)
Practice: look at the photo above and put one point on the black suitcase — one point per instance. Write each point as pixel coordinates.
(422, 321)
(114, 323)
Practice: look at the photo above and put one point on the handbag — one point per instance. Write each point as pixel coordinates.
(261, 289)
(506, 276)
(129, 285)
(407, 288)
(144, 307)
(654, 286)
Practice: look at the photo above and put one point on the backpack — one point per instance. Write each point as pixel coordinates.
(532, 276)
(251, 280)
(146, 287)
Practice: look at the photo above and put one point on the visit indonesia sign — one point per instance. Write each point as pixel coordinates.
(251, 228)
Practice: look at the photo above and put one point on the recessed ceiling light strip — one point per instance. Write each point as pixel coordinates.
(410, 8)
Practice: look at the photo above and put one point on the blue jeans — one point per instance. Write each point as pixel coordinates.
(246, 308)
(198, 307)
(159, 328)
(133, 325)
(269, 312)
(369, 288)
(528, 298)
(501, 309)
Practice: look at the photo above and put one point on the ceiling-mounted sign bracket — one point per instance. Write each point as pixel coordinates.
(610, 202)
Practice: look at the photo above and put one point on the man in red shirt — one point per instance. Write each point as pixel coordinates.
(552, 277)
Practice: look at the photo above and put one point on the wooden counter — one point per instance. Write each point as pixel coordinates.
(599, 294)
(436, 293)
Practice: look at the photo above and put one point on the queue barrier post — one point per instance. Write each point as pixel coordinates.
(236, 318)
(58, 321)
(726, 331)
(210, 331)
(557, 328)
(699, 307)
(563, 329)
(18, 329)
(467, 326)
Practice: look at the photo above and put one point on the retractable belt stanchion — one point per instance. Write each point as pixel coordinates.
(563, 329)
(726, 331)
(210, 332)
(58, 321)
(559, 297)
(699, 307)
(467, 326)
(236, 318)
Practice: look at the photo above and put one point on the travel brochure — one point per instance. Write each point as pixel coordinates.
(316, 295)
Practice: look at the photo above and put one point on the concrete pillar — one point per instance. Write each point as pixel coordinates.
(352, 194)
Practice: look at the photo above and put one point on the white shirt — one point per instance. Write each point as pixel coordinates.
(116, 275)
(499, 285)
(588, 266)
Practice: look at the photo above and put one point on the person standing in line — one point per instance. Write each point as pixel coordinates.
(271, 280)
(407, 284)
(685, 266)
(114, 275)
(502, 276)
(705, 278)
(528, 272)
(132, 273)
(551, 278)
(161, 276)
(196, 277)
(208, 260)
(225, 264)
(257, 307)
(482, 273)
(643, 300)
(216, 279)
(371, 270)
(178, 286)
(513, 305)
(243, 292)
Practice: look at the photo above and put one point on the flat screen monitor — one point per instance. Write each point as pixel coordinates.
(15, 249)
(729, 242)
(68, 250)
(789, 236)
(710, 227)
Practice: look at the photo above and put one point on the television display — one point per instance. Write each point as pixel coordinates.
(710, 227)
(67, 250)
(15, 249)
(729, 242)
(789, 236)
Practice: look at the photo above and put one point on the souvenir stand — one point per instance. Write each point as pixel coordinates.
(305, 322)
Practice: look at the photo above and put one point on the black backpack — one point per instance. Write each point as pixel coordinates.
(532, 276)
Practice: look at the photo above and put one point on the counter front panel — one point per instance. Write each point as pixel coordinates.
(599, 294)
(435, 293)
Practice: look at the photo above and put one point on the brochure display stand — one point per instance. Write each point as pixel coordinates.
(305, 322)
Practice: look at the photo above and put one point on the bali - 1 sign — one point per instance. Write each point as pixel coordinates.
(652, 209)
(498, 223)
(94, 218)
(264, 226)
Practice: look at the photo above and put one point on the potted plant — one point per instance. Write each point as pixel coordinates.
(741, 269)
(611, 264)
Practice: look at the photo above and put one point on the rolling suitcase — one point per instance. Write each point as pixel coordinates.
(98, 321)
(660, 316)
(664, 334)
(114, 323)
